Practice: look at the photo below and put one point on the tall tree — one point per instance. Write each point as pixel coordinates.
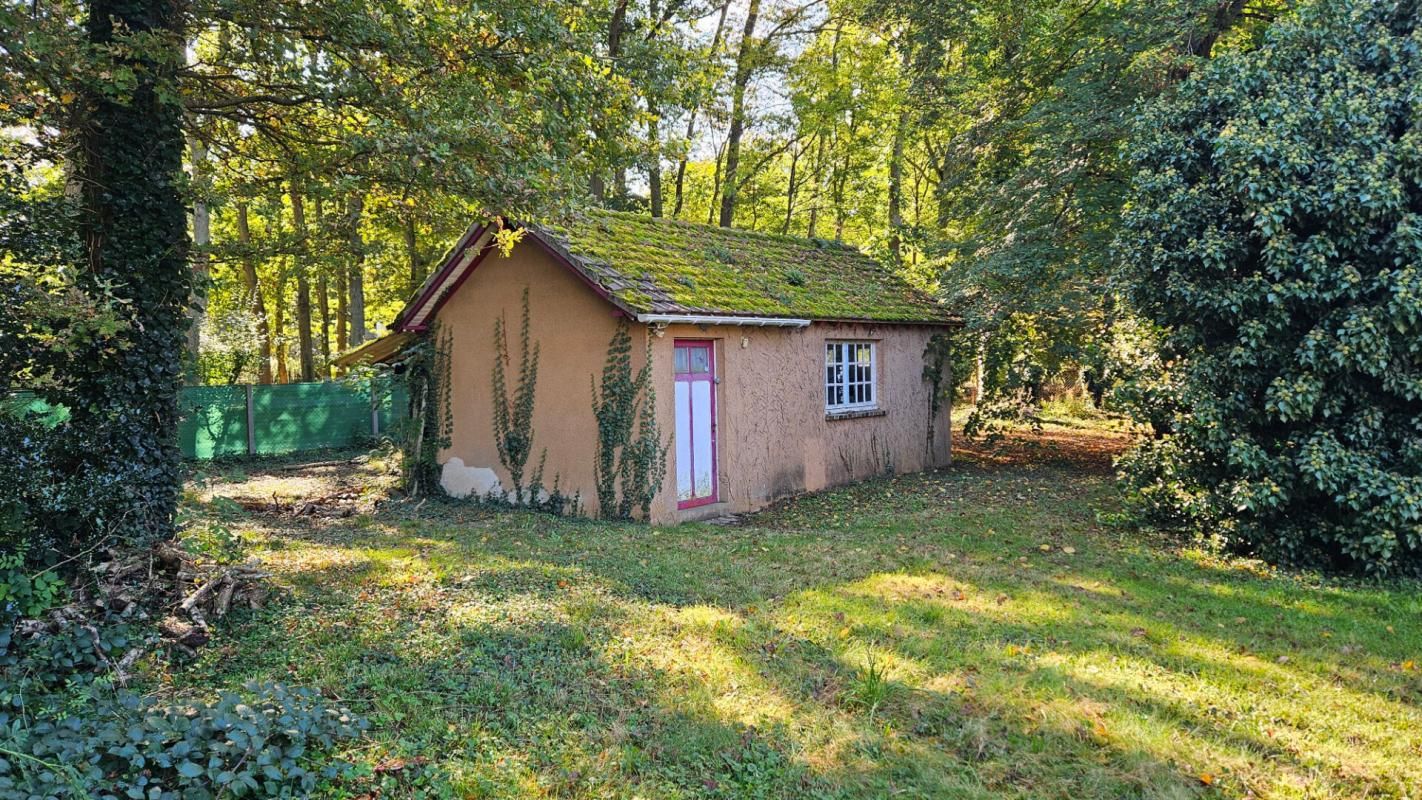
(136, 236)
(694, 112)
(202, 239)
(252, 294)
(745, 62)
(355, 278)
(301, 261)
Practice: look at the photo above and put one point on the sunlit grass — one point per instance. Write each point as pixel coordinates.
(970, 633)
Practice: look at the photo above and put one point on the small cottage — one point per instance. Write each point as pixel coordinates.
(777, 365)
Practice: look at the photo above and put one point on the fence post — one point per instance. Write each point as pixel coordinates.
(251, 424)
(374, 410)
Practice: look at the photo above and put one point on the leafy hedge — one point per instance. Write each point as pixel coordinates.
(260, 745)
(1275, 233)
(66, 732)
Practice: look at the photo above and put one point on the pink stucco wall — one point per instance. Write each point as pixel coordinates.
(572, 327)
(774, 439)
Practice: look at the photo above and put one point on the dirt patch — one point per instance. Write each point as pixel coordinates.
(1089, 450)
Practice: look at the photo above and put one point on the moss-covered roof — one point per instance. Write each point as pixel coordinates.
(660, 266)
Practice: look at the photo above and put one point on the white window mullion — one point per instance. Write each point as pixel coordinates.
(851, 373)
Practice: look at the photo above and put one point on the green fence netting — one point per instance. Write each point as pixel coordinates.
(286, 418)
(214, 421)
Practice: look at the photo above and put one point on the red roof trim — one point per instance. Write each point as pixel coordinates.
(458, 281)
(430, 291)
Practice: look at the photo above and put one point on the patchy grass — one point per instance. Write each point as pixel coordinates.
(966, 633)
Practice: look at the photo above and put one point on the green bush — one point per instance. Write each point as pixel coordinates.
(263, 744)
(1275, 235)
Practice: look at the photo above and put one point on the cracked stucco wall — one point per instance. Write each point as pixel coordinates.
(773, 437)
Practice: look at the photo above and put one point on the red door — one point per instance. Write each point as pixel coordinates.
(695, 368)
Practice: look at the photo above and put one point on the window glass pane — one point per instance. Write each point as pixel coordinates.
(700, 359)
(680, 358)
(849, 375)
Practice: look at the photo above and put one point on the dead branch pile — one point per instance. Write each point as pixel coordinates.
(166, 582)
(203, 590)
(338, 504)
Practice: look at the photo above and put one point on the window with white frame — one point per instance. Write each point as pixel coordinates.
(849, 376)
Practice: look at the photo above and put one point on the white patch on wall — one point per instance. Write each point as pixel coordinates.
(458, 480)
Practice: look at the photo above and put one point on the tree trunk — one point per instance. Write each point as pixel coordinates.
(323, 296)
(356, 280)
(306, 353)
(654, 166)
(202, 239)
(253, 291)
(790, 190)
(981, 367)
(279, 332)
(343, 340)
(695, 110)
(412, 251)
(135, 233)
(744, 65)
(597, 182)
(715, 188)
(816, 180)
(323, 307)
(896, 189)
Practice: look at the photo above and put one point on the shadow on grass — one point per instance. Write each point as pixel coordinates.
(530, 655)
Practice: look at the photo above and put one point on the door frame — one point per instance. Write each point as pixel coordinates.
(709, 377)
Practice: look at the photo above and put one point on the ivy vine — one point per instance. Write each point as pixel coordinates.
(630, 453)
(431, 420)
(513, 417)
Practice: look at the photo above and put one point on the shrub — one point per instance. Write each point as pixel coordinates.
(1275, 235)
(263, 744)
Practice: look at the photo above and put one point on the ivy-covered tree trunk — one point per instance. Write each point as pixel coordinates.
(136, 240)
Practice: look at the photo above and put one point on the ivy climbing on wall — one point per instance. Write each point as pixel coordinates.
(513, 417)
(631, 459)
(431, 419)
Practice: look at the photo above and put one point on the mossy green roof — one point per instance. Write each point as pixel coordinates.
(660, 266)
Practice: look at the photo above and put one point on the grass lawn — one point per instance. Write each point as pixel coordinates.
(967, 633)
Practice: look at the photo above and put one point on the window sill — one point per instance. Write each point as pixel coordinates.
(857, 413)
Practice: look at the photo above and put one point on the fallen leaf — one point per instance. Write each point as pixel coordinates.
(1206, 778)
(1046, 548)
(1069, 550)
